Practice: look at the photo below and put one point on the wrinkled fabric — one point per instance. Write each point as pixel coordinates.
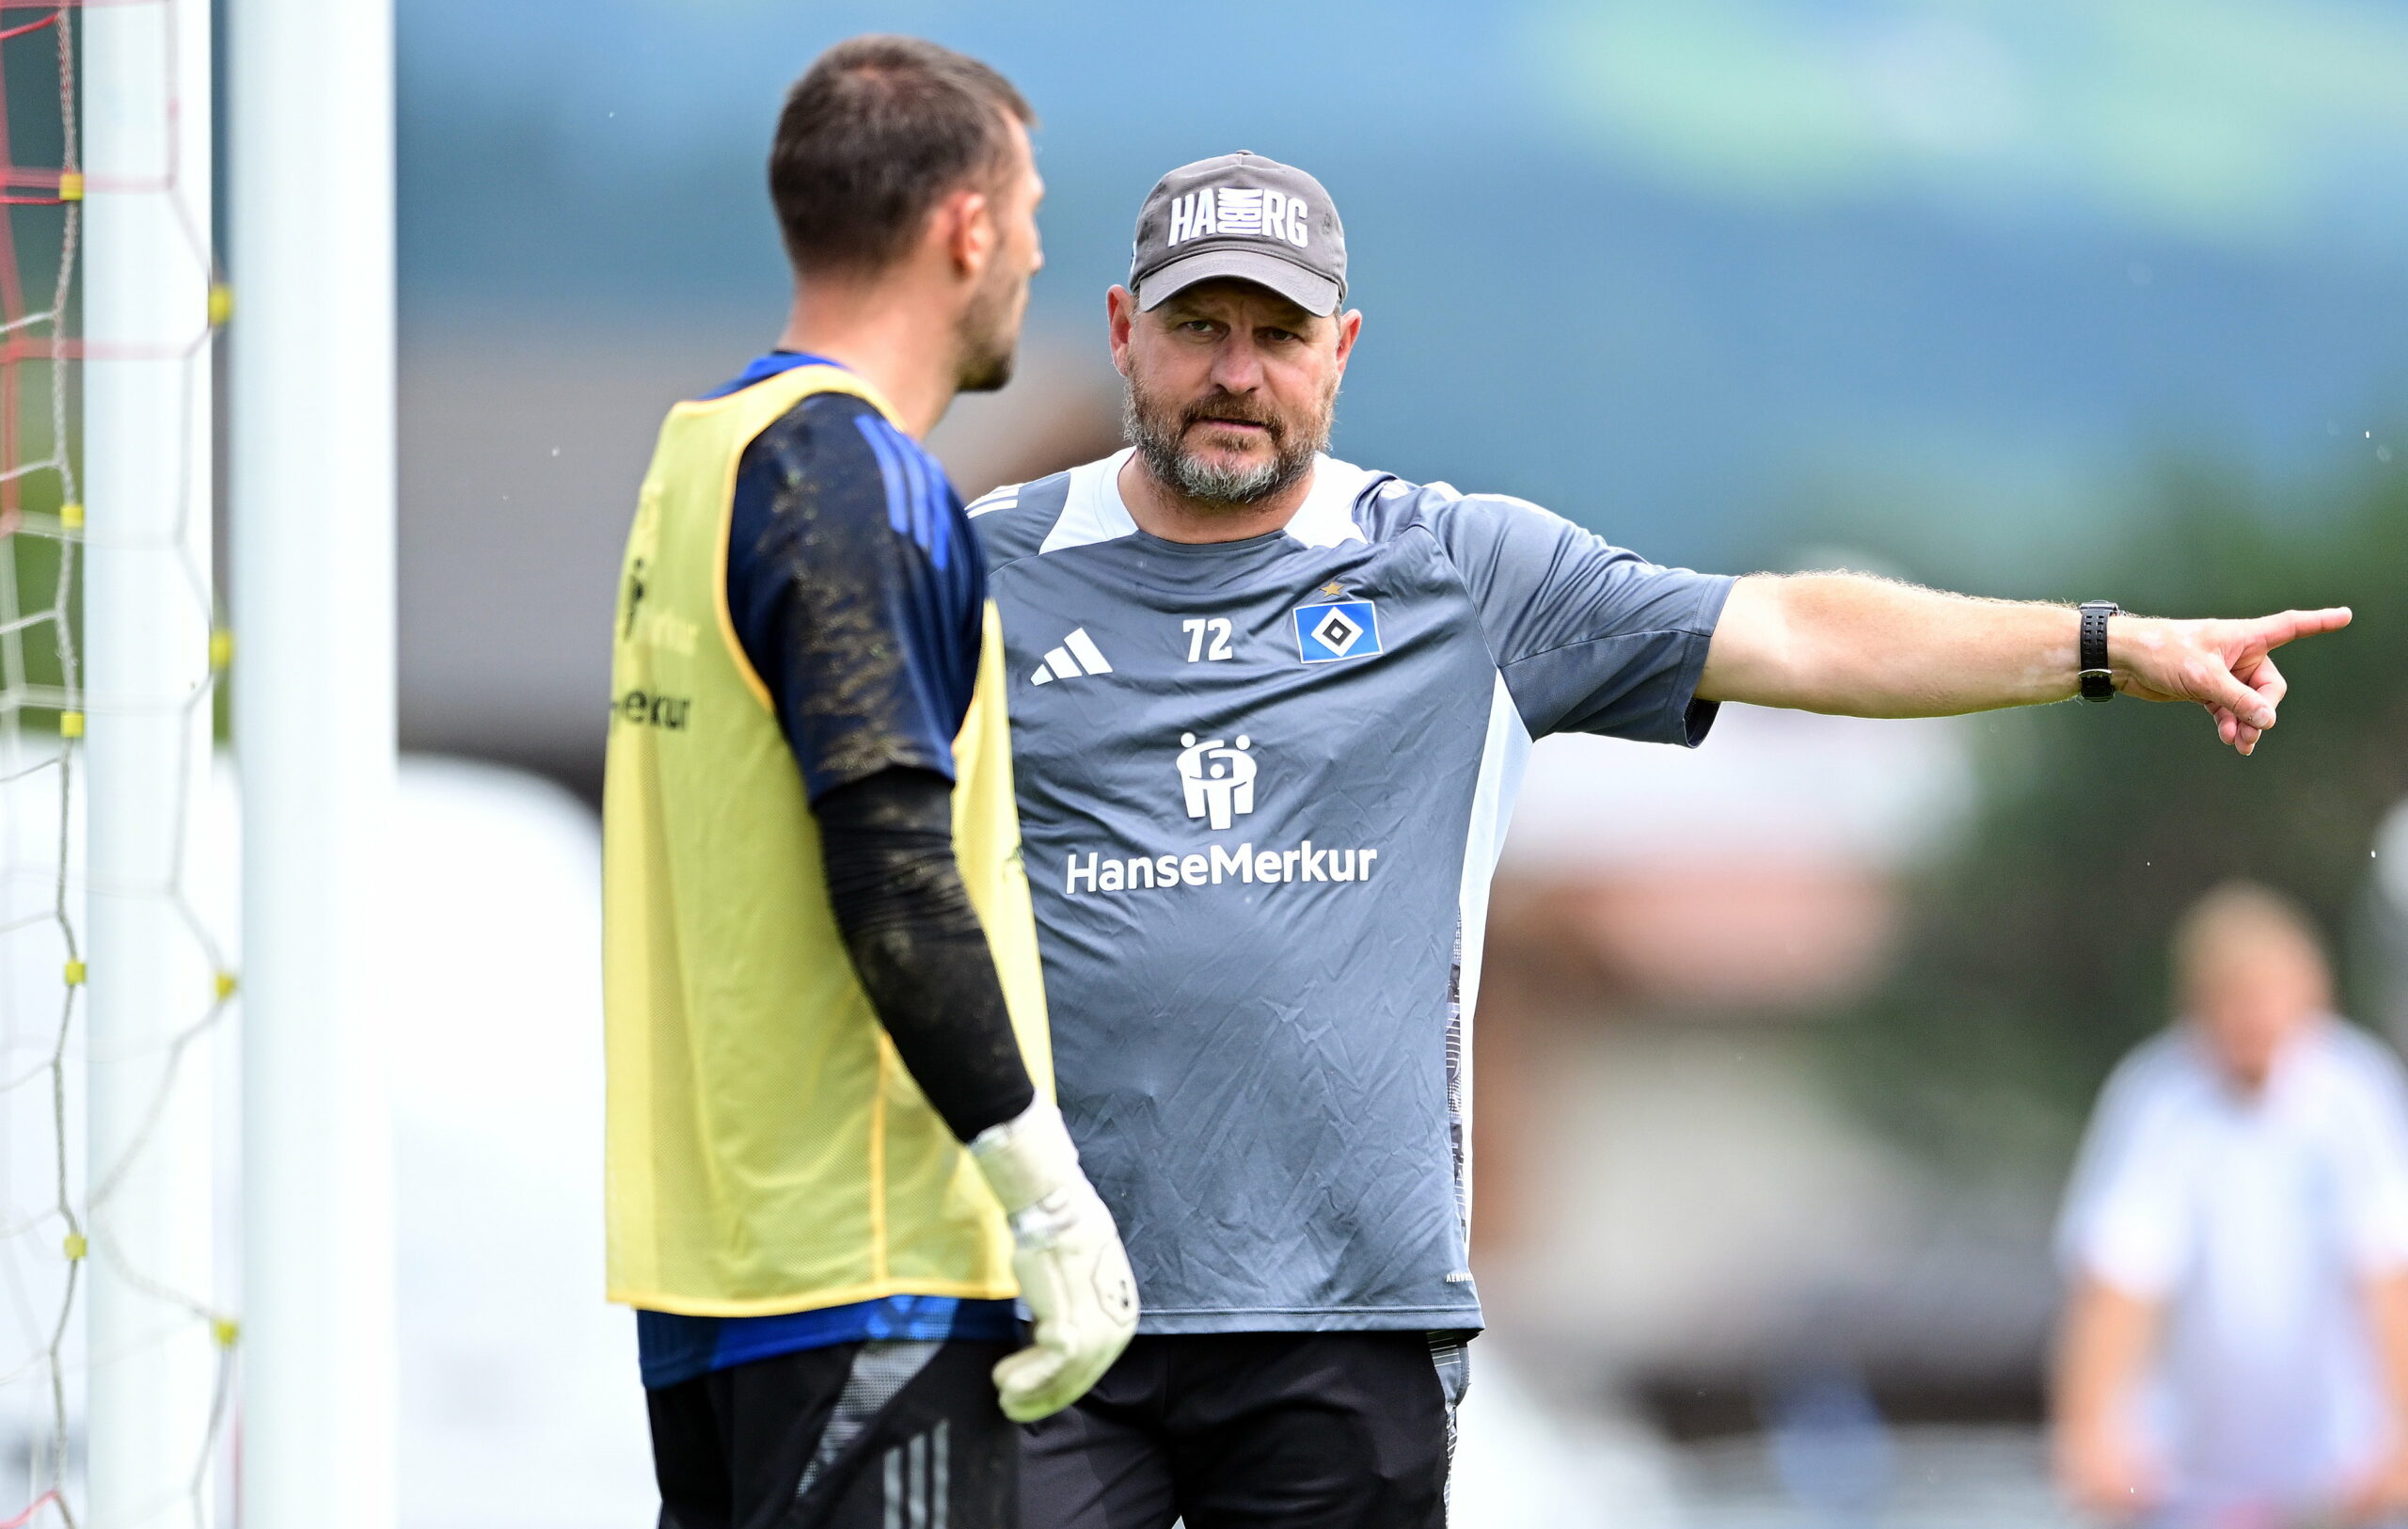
(1261, 786)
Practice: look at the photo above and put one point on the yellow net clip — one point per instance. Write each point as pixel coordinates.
(226, 1330)
(71, 185)
(224, 986)
(71, 516)
(76, 973)
(70, 725)
(221, 649)
(76, 1245)
(221, 304)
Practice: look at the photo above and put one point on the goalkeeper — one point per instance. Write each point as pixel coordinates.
(821, 977)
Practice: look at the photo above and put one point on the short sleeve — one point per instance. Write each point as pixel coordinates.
(2127, 1219)
(856, 592)
(2370, 1161)
(1591, 638)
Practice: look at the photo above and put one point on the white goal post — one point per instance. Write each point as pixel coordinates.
(152, 1318)
(310, 253)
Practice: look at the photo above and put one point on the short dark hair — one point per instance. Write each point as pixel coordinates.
(876, 132)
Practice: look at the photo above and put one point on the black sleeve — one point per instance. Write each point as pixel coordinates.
(854, 592)
(917, 944)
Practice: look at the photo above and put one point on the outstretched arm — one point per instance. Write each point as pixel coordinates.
(1856, 646)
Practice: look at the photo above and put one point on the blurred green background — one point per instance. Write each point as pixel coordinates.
(2037, 955)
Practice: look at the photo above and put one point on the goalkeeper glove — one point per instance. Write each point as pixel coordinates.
(1073, 1274)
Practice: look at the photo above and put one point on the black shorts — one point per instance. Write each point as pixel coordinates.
(1255, 1430)
(882, 1435)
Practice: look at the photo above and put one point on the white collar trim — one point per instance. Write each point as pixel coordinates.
(1093, 510)
(1326, 517)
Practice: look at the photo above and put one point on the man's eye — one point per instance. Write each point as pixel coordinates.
(1197, 325)
(1280, 337)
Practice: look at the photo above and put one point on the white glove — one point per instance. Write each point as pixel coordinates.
(1073, 1274)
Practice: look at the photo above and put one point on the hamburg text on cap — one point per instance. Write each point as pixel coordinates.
(1245, 217)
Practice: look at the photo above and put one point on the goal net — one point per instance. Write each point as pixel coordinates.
(115, 1348)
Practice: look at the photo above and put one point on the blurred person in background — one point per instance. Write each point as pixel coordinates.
(2235, 1349)
(826, 1021)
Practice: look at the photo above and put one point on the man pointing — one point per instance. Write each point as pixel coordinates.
(1261, 1008)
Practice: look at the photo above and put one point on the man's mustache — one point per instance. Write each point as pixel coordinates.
(1229, 406)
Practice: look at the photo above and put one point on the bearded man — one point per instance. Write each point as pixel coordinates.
(1269, 710)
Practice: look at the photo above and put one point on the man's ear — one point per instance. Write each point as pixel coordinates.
(1119, 317)
(1350, 326)
(966, 224)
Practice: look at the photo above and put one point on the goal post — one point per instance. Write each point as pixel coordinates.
(148, 1241)
(309, 89)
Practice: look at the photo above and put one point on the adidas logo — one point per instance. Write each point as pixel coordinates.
(1078, 655)
(1006, 497)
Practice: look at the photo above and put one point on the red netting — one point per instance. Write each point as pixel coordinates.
(28, 335)
(41, 710)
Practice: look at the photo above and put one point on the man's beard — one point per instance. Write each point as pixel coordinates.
(989, 336)
(1158, 430)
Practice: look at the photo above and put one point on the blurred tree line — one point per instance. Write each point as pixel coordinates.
(2035, 956)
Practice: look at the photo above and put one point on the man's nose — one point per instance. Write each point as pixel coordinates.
(1237, 366)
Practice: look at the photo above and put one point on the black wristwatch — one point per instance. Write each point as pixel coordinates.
(2097, 679)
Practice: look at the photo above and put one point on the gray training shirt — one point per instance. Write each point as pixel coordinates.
(1262, 784)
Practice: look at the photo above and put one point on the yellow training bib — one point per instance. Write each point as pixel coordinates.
(767, 1152)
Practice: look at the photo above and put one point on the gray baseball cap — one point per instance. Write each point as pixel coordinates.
(1240, 216)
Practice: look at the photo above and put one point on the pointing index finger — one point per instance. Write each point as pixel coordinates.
(2278, 629)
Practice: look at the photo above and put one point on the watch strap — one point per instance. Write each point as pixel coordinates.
(2097, 678)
